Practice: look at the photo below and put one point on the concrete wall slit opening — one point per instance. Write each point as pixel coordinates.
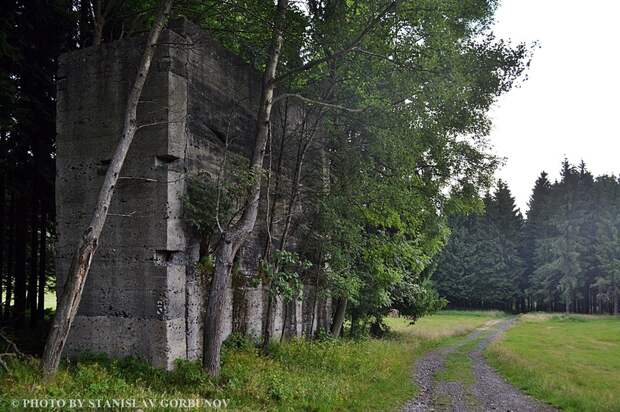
(168, 257)
(165, 159)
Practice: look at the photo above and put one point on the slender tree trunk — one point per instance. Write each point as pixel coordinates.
(82, 258)
(341, 310)
(42, 263)
(268, 329)
(315, 297)
(354, 325)
(32, 280)
(615, 294)
(20, 264)
(10, 263)
(232, 239)
(224, 255)
(84, 25)
(267, 326)
(287, 319)
(276, 189)
(301, 151)
(293, 198)
(99, 22)
(2, 233)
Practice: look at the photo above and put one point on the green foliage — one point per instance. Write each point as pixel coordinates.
(238, 341)
(282, 274)
(245, 27)
(416, 300)
(425, 78)
(211, 204)
(201, 207)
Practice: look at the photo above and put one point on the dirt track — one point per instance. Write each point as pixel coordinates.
(487, 392)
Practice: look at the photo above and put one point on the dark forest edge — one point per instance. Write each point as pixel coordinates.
(562, 257)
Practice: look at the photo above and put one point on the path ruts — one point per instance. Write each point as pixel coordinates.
(488, 392)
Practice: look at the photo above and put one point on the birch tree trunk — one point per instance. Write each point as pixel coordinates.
(72, 292)
(614, 292)
(341, 310)
(42, 262)
(232, 239)
(2, 231)
(32, 280)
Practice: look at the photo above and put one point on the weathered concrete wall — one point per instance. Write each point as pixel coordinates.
(143, 295)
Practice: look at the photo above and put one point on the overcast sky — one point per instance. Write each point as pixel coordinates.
(569, 106)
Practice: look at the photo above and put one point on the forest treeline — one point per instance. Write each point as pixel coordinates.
(564, 256)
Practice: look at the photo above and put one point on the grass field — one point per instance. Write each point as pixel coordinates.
(445, 324)
(368, 374)
(49, 300)
(568, 361)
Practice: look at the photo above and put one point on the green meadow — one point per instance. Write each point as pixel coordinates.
(572, 362)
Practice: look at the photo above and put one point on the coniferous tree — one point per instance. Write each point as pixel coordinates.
(565, 256)
(480, 266)
(453, 277)
(536, 228)
(508, 221)
(607, 242)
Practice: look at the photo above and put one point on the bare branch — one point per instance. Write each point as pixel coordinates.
(11, 345)
(312, 101)
(123, 214)
(144, 179)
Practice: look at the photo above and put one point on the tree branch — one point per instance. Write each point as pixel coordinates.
(312, 101)
(352, 45)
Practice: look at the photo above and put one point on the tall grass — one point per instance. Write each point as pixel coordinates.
(569, 361)
(330, 375)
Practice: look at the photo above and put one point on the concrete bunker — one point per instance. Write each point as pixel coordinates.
(143, 296)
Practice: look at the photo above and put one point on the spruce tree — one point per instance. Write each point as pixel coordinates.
(606, 247)
(506, 220)
(536, 229)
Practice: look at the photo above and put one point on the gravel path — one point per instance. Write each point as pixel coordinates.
(489, 392)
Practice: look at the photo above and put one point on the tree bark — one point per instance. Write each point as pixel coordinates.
(42, 264)
(99, 22)
(276, 189)
(268, 329)
(82, 258)
(84, 25)
(341, 310)
(2, 232)
(10, 262)
(20, 263)
(315, 297)
(615, 294)
(232, 239)
(32, 280)
(286, 319)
